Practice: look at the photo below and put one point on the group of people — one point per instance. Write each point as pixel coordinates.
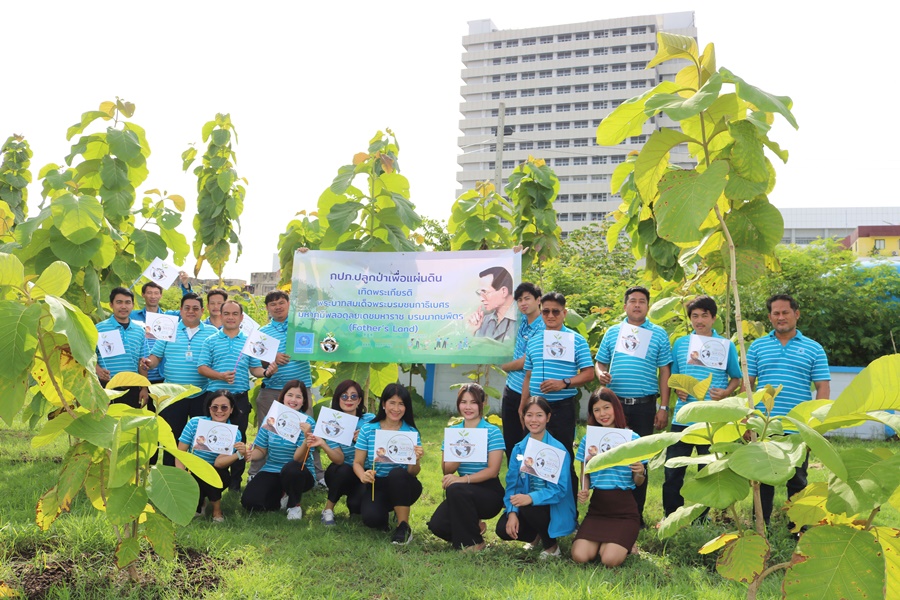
(539, 402)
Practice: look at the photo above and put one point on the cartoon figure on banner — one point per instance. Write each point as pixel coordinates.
(462, 448)
(157, 273)
(528, 466)
(333, 427)
(106, 346)
(329, 344)
(381, 456)
(613, 439)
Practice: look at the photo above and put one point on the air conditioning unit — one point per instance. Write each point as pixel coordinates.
(894, 253)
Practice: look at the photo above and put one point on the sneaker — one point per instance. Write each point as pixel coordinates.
(295, 514)
(322, 485)
(328, 517)
(532, 545)
(402, 535)
(284, 502)
(219, 519)
(545, 555)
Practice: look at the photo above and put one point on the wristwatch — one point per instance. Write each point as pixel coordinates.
(567, 381)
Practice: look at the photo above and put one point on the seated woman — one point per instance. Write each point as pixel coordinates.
(339, 476)
(538, 510)
(219, 405)
(610, 527)
(474, 492)
(289, 467)
(389, 485)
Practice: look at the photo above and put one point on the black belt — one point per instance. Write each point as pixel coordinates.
(639, 400)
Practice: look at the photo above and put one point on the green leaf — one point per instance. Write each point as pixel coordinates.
(225, 180)
(877, 387)
(12, 272)
(652, 162)
(744, 558)
(836, 561)
(679, 108)
(766, 462)
(697, 389)
(807, 507)
(128, 550)
(342, 215)
(86, 119)
(149, 245)
(166, 394)
(160, 532)
(747, 157)
(756, 226)
(51, 430)
(125, 504)
(759, 98)
(629, 117)
(74, 471)
(53, 281)
(220, 137)
(681, 518)
(716, 490)
(889, 539)
(174, 492)
(633, 451)
(718, 411)
(18, 336)
(123, 144)
(686, 198)
(76, 255)
(76, 326)
(98, 429)
(13, 392)
(114, 173)
(822, 449)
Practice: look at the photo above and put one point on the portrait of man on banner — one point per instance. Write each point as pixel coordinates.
(496, 317)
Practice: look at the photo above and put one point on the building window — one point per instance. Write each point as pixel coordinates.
(582, 70)
(509, 164)
(495, 112)
(582, 53)
(598, 160)
(528, 58)
(583, 35)
(564, 55)
(638, 139)
(547, 56)
(581, 124)
(617, 159)
(563, 179)
(563, 89)
(492, 165)
(601, 51)
(579, 197)
(545, 92)
(638, 66)
(620, 32)
(602, 33)
(582, 143)
(619, 85)
(526, 110)
(580, 177)
(498, 45)
(546, 108)
(601, 177)
(509, 146)
(546, 74)
(597, 122)
(563, 197)
(601, 104)
(579, 216)
(510, 111)
(527, 127)
(511, 76)
(492, 148)
(639, 83)
(879, 244)
(509, 94)
(495, 79)
(598, 216)
(619, 67)
(562, 125)
(563, 107)
(639, 30)
(566, 37)
(543, 126)
(528, 75)
(579, 160)
(497, 61)
(560, 162)
(600, 197)
(527, 93)
(616, 103)
(601, 87)
(563, 72)
(639, 47)
(562, 143)
(511, 60)
(526, 145)
(600, 68)
(528, 42)
(547, 39)
(579, 89)
(512, 43)
(563, 216)
(495, 95)
(619, 49)
(544, 145)
(581, 106)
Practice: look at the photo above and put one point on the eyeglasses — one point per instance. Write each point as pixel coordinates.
(482, 292)
(219, 408)
(551, 311)
(186, 307)
(349, 397)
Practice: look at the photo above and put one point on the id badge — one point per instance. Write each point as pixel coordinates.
(189, 357)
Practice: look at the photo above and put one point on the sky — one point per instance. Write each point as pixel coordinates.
(308, 84)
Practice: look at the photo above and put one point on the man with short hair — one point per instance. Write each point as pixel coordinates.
(557, 379)
(121, 301)
(223, 362)
(215, 298)
(528, 300)
(788, 358)
(496, 317)
(726, 378)
(637, 380)
(183, 354)
(152, 292)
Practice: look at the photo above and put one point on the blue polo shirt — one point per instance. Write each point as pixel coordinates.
(542, 370)
(366, 441)
(133, 341)
(795, 365)
(184, 355)
(634, 377)
(613, 478)
(720, 378)
(280, 451)
(187, 437)
(221, 353)
(495, 442)
(515, 379)
(296, 369)
(350, 451)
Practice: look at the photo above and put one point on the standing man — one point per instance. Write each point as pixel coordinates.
(121, 301)
(637, 380)
(528, 299)
(496, 318)
(787, 357)
(215, 298)
(152, 292)
(556, 379)
(285, 369)
(725, 380)
(226, 366)
(183, 354)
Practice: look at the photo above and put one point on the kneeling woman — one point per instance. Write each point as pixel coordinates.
(395, 485)
(474, 492)
(537, 510)
(289, 467)
(219, 406)
(339, 476)
(612, 523)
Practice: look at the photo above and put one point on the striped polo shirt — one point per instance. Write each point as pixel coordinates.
(634, 377)
(133, 341)
(296, 369)
(184, 355)
(542, 370)
(221, 353)
(515, 379)
(495, 442)
(280, 451)
(350, 451)
(613, 478)
(366, 441)
(187, 437)
(794, 365)
(141, 315)
(720, 378)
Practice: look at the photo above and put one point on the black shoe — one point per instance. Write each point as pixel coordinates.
(402, 535)
(235, 488)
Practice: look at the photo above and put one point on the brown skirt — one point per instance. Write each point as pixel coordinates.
(612, 516)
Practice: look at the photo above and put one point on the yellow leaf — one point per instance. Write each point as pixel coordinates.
(387, 163)
(359, 158)
(687, 78)
(8, 592)
(672, 46)
(128, 379)
(889, 539)
(108, 107)
(716, 543)
(707, 63)
(178, 201)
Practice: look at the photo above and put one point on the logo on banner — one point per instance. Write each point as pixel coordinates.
(329, 344)
(303, 343)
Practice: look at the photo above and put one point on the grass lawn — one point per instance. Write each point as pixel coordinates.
(266, 556)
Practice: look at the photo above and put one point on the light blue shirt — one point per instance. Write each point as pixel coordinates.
(366, 441)
(222, 353)
(515, 379)
(542, 370)
(184, 355)
(495, 442)
(613, 478)
(795, 365)
(296, 369)
(133, 342)
(634, 377)
(720, 378)
(281, 451)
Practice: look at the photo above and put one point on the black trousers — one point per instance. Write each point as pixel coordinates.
(342, 481)
(456, 518)
(211, 492)
(640, 420)
(533, 521)
(562, 427)
(512, 425)
(240, 417)
(399, 488)
(795, 484)
(264, 491)
(177, 415)
(671, 489)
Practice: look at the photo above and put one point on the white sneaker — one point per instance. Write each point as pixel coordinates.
(328, 517)
(284, 502)
(544, 555)
(295, 514)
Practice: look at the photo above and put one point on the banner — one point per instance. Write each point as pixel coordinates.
(425, 307)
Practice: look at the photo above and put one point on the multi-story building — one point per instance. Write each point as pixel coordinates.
(804, 225)
(554, 85)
